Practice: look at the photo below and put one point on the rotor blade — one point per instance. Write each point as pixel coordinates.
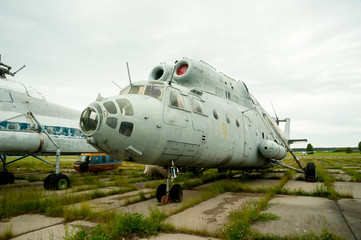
(277, 120)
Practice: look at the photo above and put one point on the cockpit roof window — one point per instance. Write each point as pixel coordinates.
(124, 91)
(154, 91)
(136, 90)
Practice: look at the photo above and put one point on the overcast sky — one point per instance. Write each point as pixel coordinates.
(303, 55)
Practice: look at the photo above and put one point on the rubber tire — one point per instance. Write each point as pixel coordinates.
(49, 181)
(6, 178)
(161, 191)
(11, 178)
(56, 182)
(176, 193)
(311, 175)
(62, 182)
(84, 167)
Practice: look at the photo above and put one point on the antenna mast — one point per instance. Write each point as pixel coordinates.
(130, 80)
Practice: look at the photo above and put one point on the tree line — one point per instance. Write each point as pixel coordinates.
(311, 149)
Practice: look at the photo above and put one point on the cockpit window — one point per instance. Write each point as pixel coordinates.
(110, 106)
(124, 91)
(126, 128)
(154, 91)
(176, 100)
(125, 107)
(136, 90)
(197, 106)
(89, 121)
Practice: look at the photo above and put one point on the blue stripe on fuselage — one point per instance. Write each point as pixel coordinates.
(57, 130)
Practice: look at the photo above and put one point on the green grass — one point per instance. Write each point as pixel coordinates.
(130, 225)
(7, 234)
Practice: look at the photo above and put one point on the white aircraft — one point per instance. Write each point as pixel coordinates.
(188, 115)
(31, 126)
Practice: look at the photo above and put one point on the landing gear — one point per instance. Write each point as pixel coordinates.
(56, 182)
(6, 178)
(176, 193)
(164, 195)
(161, 191)
(311, 175)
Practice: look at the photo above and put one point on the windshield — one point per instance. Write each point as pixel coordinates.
(149, 90)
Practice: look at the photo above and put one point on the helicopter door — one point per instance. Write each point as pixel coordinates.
(175, 109)
(198, 116)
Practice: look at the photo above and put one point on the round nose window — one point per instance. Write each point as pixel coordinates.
(89, 121)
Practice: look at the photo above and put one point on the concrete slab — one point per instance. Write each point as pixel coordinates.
(349, 187)
(342, 177)
(210, 215)
(272, 175)
(308, 187)
(178, 236)
(28, 222)
(113, 201)
(351, 210)
(56, 232)
(258, 184)
(144, 207)
(300, 215)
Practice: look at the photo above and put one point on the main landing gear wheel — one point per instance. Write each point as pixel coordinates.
(6, 178)
(56, 182)
(161, 191)
(176, 193)
(311, 175)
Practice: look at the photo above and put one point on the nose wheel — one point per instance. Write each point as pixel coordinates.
(174, 195)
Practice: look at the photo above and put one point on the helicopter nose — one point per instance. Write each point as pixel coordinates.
(89, 121)
(113, 114)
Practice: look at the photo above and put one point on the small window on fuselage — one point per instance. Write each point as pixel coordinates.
(176, 100)
(197, 106)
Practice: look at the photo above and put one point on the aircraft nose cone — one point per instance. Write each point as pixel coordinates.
(89, 121)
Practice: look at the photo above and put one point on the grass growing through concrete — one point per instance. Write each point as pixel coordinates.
(127, 226)
(7, 234)
(15, 201)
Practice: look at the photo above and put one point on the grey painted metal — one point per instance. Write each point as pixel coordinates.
(26, 117)
(199, 118)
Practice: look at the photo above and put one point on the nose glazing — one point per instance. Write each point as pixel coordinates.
(89, 121)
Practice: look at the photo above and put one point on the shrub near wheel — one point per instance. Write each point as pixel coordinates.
(311, 172)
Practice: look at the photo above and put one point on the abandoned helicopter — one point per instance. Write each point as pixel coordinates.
(188, 115)
(30, 126)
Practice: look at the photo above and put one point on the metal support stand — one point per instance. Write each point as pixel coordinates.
(166, 198)
(57, 163)
(286, 144)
